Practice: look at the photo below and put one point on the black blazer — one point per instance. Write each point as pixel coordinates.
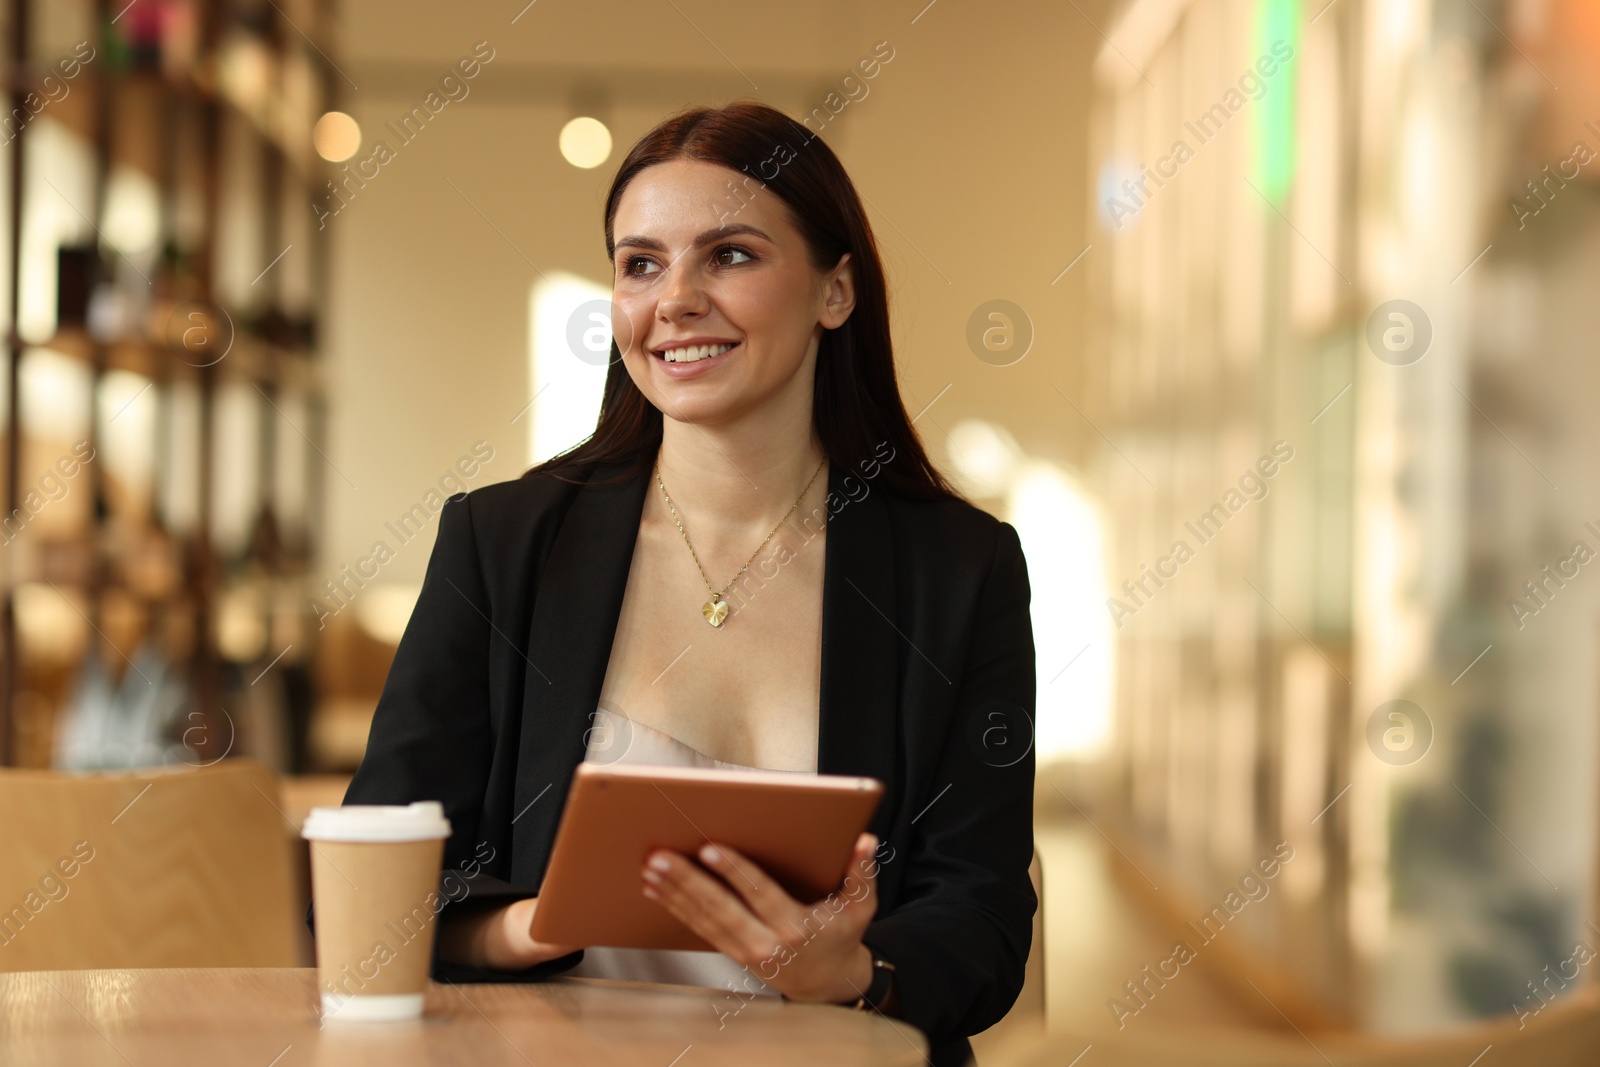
(927, 685)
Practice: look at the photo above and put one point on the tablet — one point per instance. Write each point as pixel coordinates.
(799, 828)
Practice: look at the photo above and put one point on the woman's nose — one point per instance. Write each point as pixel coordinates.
(681, 291)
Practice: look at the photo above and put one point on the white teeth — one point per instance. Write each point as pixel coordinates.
(694, 353)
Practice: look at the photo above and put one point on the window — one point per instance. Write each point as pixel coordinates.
(568, 355)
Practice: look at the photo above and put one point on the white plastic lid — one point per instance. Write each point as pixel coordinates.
(420, 821)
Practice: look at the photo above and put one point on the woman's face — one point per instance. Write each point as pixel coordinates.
(696, 263)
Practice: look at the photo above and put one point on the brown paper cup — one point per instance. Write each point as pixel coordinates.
(375, 888)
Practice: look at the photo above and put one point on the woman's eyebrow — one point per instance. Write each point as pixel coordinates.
(705, 238)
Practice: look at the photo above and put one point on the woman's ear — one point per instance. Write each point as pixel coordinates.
(838, 294)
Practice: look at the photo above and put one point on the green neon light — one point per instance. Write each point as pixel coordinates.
(1273, 148)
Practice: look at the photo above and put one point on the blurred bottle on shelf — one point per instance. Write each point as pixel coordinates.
(153, 36)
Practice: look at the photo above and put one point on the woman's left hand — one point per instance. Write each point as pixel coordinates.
(807, 952)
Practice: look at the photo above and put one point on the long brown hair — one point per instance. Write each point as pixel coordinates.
(856, 404)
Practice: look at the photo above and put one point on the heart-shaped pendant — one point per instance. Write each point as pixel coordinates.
(714, 611)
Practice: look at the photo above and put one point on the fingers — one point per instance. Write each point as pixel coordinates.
(701, 902)
(861, 880)
(745, 914)
(799, 949)
(765, 898)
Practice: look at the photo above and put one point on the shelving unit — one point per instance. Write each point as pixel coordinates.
(1235, 699)
(163, 177)
(1370, 695)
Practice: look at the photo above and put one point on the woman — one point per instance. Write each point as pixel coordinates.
(586, 611)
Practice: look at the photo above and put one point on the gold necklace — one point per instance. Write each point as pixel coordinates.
(716, 609)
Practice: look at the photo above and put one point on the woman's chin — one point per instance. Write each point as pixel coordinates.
(699, 410)
(707, 399)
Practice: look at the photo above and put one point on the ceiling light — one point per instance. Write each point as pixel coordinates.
(585, 142)
(336, 137)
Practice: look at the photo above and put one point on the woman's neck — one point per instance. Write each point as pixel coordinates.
(727, 481)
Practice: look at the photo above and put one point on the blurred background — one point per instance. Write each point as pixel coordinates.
(1268, 324)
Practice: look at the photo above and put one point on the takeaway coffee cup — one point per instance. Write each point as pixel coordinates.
(374, 885)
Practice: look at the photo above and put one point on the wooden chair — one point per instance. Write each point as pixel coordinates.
(1027, 1015)
(173, 868)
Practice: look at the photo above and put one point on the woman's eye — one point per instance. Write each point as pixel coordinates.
(630, 266)
(731, 250)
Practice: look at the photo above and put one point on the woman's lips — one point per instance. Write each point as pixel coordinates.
(698, 367)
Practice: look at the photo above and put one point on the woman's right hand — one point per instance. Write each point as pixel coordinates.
(498, 939)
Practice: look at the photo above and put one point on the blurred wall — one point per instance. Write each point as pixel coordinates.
(968, 148)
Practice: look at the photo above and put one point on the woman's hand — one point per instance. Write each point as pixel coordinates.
(807, 952)
(498, 939)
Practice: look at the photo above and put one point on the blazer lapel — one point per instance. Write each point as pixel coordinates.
(575, 614)
(858, 731)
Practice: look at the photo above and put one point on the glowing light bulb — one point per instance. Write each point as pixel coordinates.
(585, 142)
(336, 136)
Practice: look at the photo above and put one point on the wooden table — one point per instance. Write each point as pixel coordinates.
(268, 1017)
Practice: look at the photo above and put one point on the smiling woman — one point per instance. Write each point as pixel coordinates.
(800, 232)
(752, 375)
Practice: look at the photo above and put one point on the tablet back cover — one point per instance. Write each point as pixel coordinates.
(800, 830)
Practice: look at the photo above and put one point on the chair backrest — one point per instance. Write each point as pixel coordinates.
(171, 868)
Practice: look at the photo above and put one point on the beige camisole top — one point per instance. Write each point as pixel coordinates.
(615, 738)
